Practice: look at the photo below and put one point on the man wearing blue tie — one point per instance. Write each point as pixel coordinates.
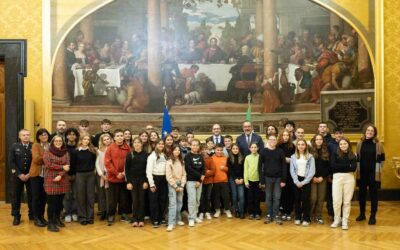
(217, 137)
(248, 137)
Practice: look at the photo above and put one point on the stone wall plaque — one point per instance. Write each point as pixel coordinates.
(348, 109)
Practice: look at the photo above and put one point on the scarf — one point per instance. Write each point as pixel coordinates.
(58, 152)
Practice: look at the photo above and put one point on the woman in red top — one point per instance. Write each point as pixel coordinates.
(56, 180)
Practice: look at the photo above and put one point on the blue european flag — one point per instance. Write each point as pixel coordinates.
(166, 124)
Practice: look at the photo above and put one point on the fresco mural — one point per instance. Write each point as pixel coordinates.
(208, 55)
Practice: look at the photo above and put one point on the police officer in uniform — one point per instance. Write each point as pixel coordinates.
(20, 158)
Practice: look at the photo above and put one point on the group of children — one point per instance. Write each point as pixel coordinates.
(162, 178)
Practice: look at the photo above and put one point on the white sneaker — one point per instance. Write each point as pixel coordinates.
(68, 218)
(336, 223)
(201, 215)
(228, 213)
(198, 220)
(169, 228)
(191, 223)
(75, 217)
(208, 216)
(345, 226)
(305, 224)
(297, 222)
(181, 223)
(217, 213)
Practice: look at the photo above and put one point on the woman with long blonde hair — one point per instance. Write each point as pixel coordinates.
(302, 170)
(102, 182)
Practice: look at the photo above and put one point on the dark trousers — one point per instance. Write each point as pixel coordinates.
(38, 197)
(329, 199)
(272, 195)
(18, 194)
(158, 199)
(185, 201)
(54, 207)
(302, 201)
(221, 192)
(253, 198)
(85, 184)
(205, 200)
(101, 196)
(117, 196)
(138, 195)
(287, 197)
(373, 194)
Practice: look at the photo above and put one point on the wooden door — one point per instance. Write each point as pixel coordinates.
(3, 154)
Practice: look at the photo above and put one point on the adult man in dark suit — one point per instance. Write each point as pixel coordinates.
(247, 138)
(217, 138)
(20, 158)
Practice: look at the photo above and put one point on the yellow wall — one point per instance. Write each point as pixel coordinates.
(23, 19)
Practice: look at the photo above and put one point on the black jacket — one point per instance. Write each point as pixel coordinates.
(343, 164)
(135, 166)
(194, 166)
(19, 158)
(272, 163)
(236, 169)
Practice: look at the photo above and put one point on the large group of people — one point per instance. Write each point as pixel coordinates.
(179, 178)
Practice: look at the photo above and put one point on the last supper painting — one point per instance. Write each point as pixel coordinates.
(202, 57)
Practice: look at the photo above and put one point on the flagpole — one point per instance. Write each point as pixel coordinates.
(165, 96)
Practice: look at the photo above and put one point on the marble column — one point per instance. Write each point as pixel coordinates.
(270, 37)
(86, 27)
(153, 45)
(259, 17)
(60, 79)
(164, 13)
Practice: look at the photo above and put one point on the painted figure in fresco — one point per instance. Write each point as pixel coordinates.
(70, 61)
(191, 54)
(270, 96)
(213, 53)
(138, 97)
(169, 72)
(105, 53)
(80, 54)
(90, 77)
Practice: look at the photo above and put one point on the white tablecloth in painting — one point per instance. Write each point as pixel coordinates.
(292, 79)
(218, 73)
(111, 74)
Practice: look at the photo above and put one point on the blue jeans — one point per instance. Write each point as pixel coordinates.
(175, 205)
(272, 195)
(237, 193)
(194, 195)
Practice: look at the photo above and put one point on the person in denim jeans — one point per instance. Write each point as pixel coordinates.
(176, 177)
(194, 166)
(236, 180)
(272, 172)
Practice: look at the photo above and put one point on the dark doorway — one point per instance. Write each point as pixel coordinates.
(13, 55)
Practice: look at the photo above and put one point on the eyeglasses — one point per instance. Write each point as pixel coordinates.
(44, 134)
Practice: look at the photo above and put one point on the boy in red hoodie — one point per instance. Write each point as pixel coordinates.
(220, 186)
(114, 162)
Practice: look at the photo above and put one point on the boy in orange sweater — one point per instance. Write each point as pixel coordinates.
(206, 192)
(220, 187)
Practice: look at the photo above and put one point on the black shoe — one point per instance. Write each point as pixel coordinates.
(59, 223)
(251, 217)
(31, 218)
(110, 220)
(156, 224)
(258, 217)
(125, 218)
(163, 222)
(361, 217)
(237, 215)
(43, 220)
(39, 223)
(90, 222)
(372, 220)
(52, 228)
(241, 216)
(17, 220)
(268, 219)
(83, 222)
(103, 216)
